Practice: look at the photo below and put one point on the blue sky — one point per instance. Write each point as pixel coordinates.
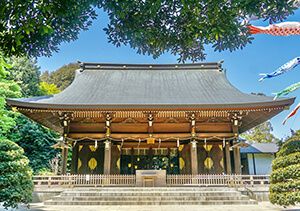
(265, 54)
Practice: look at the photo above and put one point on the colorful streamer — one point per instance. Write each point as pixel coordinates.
(287, 90)
(280, 29)
(291, 114)
(282, 69)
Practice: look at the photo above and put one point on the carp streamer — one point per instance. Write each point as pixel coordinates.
(280, 29)
(282, 69)
(293, 112)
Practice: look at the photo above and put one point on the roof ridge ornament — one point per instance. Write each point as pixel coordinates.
(81, 65)
(220, 64)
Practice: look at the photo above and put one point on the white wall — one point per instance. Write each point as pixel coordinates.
(263, 163)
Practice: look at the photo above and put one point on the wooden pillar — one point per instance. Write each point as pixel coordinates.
(254, 166)
(64, 160)
(237, 160)
(194, 157)
(65, 119)
(228, 158)
(107, 157)
(74, 164)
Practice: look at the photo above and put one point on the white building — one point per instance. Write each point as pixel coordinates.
(257, 158)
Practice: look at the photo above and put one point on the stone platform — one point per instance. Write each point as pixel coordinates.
(151, 196)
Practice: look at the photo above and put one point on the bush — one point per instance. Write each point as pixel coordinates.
(16, 176)
(285, 177)
(45, 172)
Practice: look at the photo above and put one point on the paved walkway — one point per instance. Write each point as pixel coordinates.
(261, 206)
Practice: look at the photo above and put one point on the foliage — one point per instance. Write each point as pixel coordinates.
(184, 27)
(261, 133)
(15, 179)
(36, 141)
(181, 27)
(285, 177)
(283, 161)
(61, 77)
(48, 89)
(36, 28)
(3, 67)
(8, 89)
(26, 73)
(45, 171)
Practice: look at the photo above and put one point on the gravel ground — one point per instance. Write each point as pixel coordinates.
(265, 206)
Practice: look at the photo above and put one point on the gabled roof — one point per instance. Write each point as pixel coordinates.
(200, 85)
(261, 148)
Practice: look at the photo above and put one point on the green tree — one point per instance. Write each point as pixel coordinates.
(16, 176)
(48, 89)
(26, 73)
(45, 76)
(8, 89)
(181, 27)
(285, 176)
(36, 28)
(261, 133)
(61, 77)
(185, 27)
(36, 141)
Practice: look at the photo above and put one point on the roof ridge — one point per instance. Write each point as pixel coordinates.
(123, 66)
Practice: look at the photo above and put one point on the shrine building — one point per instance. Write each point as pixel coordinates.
(119, 118)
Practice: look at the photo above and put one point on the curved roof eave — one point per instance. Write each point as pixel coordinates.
(45, 106)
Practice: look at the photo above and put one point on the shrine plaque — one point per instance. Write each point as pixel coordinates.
(151, 178)
(150, 140)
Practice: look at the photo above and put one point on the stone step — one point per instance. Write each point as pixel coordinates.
(152, 193)
(175, 189)
(83, 203)
(151, 198)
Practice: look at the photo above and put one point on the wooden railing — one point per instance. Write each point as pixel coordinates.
(99, 180)
(255, 180)
(231, 180)
(85, 180)
(202, 180)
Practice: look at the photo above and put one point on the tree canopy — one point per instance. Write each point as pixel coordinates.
(261, 133)
(26, 73)
(62, 77)
(36, 28)
(183, 28)
(285, 176)
(48, 89)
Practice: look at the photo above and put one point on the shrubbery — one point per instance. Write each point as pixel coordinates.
(285, 177)
(16, 176)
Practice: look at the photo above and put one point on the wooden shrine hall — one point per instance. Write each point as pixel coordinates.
(119, 118)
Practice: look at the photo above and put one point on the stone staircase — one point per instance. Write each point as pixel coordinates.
(151, 196)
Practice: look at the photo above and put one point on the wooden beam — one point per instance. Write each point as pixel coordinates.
(145, 145)
(145, 135)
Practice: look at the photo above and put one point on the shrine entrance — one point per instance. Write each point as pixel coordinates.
(133, 159)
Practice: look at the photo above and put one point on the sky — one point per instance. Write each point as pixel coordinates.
(264, 55)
